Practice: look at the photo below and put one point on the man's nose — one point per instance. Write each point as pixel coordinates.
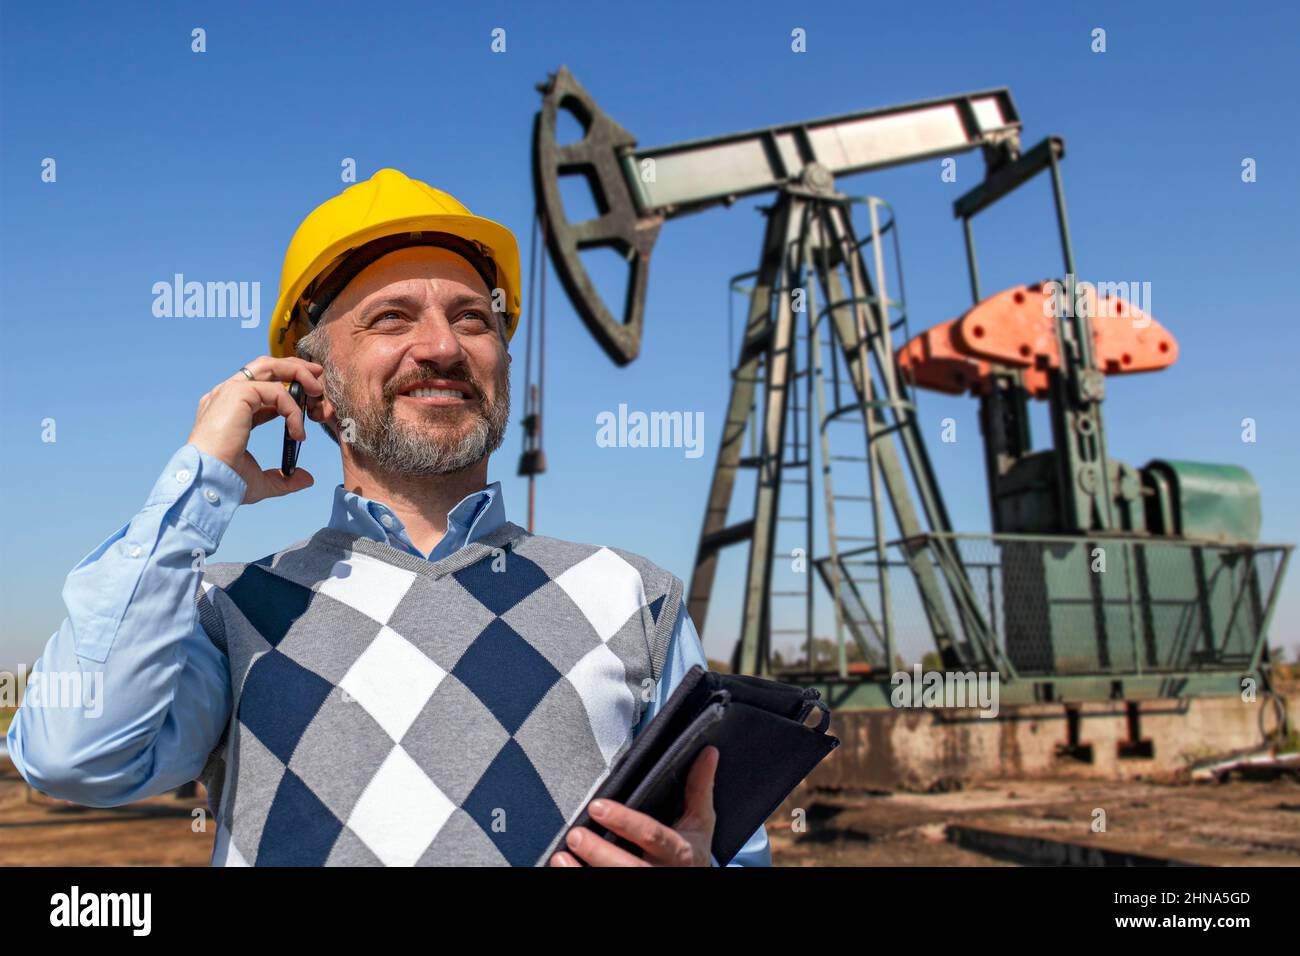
(436, 341)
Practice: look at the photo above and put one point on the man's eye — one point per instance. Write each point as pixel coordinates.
(475, 315)
(388, 315)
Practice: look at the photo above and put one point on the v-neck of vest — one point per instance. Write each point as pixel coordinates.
(346, 541)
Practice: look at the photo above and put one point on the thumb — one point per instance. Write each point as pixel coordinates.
(276, 485)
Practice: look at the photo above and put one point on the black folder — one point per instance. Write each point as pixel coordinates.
(765, 750)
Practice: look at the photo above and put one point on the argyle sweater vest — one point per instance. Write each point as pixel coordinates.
(393, 711)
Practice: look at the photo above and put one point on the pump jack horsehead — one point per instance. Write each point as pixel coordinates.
(1179, 536)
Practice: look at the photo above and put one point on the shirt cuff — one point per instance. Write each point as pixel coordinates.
(211, 491)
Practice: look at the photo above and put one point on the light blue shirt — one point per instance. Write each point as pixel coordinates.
(133, 696)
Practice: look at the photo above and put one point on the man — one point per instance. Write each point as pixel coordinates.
(419, 682)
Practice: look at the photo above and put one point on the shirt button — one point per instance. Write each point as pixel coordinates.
(134, 551)
(386, 521)
(212, 496)
(183, 475)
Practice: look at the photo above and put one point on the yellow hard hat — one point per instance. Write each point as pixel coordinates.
(387, 206)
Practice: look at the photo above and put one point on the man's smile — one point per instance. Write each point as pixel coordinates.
(438, 391)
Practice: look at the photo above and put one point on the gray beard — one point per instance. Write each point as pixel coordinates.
(401, 449)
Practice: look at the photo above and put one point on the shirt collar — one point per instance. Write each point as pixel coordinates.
(474, 516)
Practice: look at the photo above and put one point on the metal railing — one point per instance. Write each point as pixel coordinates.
(1088, 605)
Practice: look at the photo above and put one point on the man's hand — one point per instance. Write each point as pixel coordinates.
(686, 843)
(229, 413)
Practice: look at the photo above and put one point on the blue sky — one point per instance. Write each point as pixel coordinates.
(203, 164)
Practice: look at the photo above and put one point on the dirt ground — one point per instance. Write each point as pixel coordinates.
(38, 831)
(1239, 823)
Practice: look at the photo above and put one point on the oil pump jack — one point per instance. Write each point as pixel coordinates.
(1099, 580)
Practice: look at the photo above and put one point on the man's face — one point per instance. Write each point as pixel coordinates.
(417, 364)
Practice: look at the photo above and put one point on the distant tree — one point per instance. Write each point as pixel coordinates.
(826, 653)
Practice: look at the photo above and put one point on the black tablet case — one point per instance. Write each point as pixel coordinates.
(765, 751)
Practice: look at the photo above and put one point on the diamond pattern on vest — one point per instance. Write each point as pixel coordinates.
(388, 716)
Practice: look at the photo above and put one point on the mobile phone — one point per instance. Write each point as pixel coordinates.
(289, 458)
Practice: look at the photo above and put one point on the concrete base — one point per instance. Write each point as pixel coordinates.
(932, 749)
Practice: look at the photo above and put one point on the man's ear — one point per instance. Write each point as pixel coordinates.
(327, 419)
